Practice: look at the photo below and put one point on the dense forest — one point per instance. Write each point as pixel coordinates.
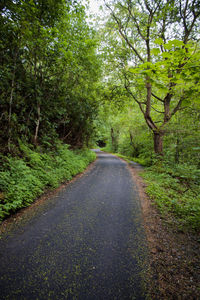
(49, 84)
(49, 73)
(130, 84)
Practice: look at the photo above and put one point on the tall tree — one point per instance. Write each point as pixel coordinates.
(49, 73)
(158, 56)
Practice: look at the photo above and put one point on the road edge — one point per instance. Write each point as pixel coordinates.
(15, 218)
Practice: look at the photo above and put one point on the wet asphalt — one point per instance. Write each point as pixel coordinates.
(87, 242)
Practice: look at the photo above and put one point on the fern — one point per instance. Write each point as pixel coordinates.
(23, 180)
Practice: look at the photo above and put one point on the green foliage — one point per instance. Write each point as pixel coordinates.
(23, 180)
(173, 181)
(140, 161)
(176, 190)
(49, 73)
(19, 186)
(129, 137)
(182, 140)
(155, 65)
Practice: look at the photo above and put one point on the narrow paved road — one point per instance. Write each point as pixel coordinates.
(87, 242)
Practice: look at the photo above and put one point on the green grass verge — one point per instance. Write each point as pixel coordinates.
(175, 190)
(140, 161)
(22, 180)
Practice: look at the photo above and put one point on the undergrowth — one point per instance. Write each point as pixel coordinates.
(23, 179)
(175, 189)
(140, 161)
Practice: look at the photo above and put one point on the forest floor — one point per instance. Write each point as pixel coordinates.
(174, 254)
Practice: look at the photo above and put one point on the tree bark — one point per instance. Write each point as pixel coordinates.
(10, 113)
(177, 151)
(10, 104)
(131, 138)
(37, 125)
(158, 142)
(114, 140)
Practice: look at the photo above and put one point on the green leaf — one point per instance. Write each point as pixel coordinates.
(159, 41)
(166, 55)
(155, 51)
(178, 43)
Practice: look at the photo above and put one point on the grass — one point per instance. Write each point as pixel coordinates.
(175, 193)
(175, 190)
(23, 179)
(141, 161)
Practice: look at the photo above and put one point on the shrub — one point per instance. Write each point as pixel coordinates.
(176, 190)
(22, 180)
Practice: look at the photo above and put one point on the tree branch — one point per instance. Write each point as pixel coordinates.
(178, 106)
(158, 98)
(160, 112)
(123, 34)
(136, 23)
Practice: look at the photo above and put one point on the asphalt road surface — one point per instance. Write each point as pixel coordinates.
(87, 242)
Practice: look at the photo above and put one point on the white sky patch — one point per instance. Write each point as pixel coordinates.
(94, 12)
(94, 6)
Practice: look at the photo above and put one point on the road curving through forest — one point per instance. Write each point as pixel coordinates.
(86, 242)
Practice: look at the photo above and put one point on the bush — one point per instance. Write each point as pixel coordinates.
(22, 180)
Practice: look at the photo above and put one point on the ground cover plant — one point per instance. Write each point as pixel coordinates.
(23, 179)
(174, 189)
(176, 192)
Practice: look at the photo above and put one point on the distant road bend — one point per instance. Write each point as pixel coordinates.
(87, 242)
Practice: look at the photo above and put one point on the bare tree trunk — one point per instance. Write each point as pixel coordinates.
(37, 126)
(64, 138)
(158, 142)
(131, 138)
(112, 138)
(177, 151)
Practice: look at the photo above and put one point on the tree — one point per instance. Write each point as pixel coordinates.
(49, 73)
(157, 53)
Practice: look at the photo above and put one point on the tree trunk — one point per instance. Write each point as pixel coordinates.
(112, 138)
(10, 114)
(158, 142)
(177, 151)
(131, 138)
(10, 104)
(37, 125)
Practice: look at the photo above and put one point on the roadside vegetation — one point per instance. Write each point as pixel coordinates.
(175, 190)
(151, 106)
(126, 83)
(129, 83)
(49, 78)
(173, 179)
(23, 179)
